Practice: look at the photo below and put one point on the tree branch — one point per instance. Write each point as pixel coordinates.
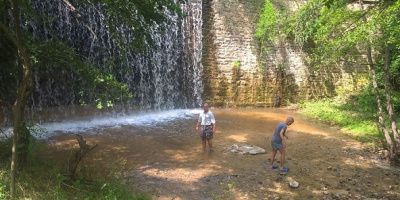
(79, 15)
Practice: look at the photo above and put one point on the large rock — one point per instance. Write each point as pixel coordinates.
(247, 149)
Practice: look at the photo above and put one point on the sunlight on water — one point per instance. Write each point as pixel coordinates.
(143, 119)
(140, 119)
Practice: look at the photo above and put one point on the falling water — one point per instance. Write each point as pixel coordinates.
(168, 77)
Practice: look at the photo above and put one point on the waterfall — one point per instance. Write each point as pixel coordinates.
(167, 77)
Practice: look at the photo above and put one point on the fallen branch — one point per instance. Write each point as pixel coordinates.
(83, 150)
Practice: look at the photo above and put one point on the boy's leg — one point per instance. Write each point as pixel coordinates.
(210, 144)
(283, 153)
(203, 141)
(273, 157)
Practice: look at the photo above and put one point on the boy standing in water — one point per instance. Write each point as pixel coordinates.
(207, 122)
(278, 143)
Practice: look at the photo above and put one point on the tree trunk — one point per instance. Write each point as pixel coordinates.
(381, 120)
(24, 92)
(394, 159)
(389, 106)
(372, 71)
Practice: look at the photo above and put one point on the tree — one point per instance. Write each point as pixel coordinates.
(23, 94)
(136, 16)
(338, 31)
(342, 34)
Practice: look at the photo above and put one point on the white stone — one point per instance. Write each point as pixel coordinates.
(294, 184)
(247, 149)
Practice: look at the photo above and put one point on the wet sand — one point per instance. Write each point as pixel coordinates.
(167, 161)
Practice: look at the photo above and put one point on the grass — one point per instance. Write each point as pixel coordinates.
(350, 116)
(45, 181)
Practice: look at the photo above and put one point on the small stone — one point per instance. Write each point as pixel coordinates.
(277, 198)
(294, 184)
(374, 194)
(325, 192)
(335, 196)
(282, 173)
(386, 173)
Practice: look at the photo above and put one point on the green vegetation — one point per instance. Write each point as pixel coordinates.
(267, 24)
(46, 181)
(348, 33)
(355, 114)
(359, 125)
(237, 64)
(25, 54)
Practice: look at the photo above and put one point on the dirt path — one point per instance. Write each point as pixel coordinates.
(167, 160)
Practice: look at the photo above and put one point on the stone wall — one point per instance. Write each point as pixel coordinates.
(235, 73)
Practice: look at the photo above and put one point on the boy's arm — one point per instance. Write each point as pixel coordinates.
(213, 125)
(198, 122)
(283, 138)
(213, 122)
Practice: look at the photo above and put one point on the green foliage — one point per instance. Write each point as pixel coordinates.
(354, 121)
(237, 63)
(42, 180)
(302, 25)
(34, 130)
(54, 60)
(325, 31)
(266, 26)
(92, 84)
(338, 32)
(138, 17)
(4, 194)
(357, 115)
